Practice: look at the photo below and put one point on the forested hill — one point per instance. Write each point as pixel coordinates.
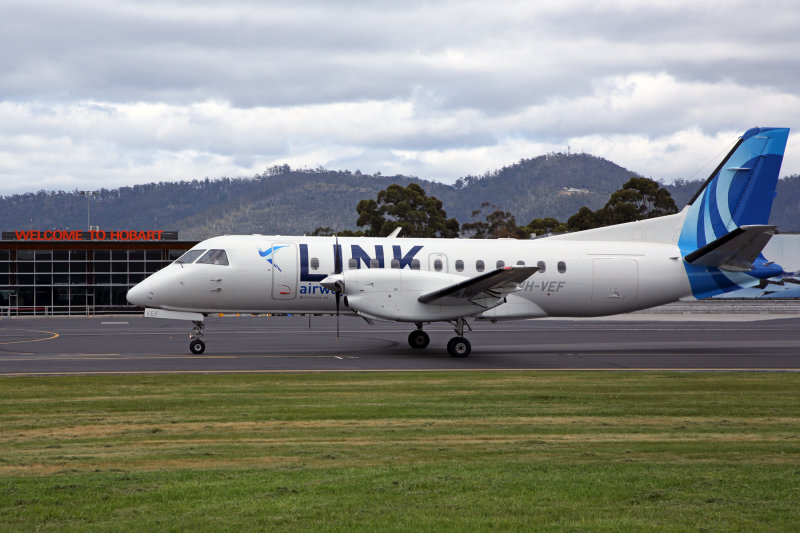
(785, 210)
(287, 201)
(281, 201)
(553, 185)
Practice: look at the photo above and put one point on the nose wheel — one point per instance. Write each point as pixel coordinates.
(418, 339)
(196, 344)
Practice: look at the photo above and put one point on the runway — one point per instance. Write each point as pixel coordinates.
(135, 345)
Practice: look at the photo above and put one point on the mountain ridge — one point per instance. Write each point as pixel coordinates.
(292, 201)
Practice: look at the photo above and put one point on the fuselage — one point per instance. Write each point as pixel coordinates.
(276, 274)
(711, 247)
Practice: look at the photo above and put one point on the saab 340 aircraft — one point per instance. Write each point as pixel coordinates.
(712, 246)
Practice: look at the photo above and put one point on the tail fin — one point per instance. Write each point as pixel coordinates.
(738, 193)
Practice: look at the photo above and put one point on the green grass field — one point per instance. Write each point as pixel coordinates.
(402, 452)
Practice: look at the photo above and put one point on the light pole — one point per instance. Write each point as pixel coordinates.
(88, 195)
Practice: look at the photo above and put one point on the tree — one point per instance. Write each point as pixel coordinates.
(480, 228)
(540, 226)
(409, 208)
(322, 231)
(584, 219)
(369, 215)
(326, 231)
(496, 224)
(638, 199)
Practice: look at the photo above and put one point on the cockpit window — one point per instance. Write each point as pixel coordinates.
(214, 257)
(189, 256)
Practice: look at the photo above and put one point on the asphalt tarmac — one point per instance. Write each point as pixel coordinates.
(136, 345)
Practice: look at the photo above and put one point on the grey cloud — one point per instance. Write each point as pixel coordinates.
(473, 74)
(254, 55)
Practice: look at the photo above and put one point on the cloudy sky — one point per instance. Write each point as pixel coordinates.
(103, 94)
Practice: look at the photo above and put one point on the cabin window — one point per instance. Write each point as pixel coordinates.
(437, 265)
(373, 263)
(415, 264)
(479, 265)
(214, 257)
(542, 267)
(459, 265)
(352, 263)
(314, 263)
(187, 258)
(562, 267)
(500, 263)
(521, 263)
(395, 263)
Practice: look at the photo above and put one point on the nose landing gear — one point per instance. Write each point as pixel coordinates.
(418, 339)
(196, 344)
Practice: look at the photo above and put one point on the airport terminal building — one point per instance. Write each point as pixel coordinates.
(73, 272)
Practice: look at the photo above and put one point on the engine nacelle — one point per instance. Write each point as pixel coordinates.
(392, 294)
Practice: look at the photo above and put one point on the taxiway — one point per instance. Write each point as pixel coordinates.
(135, 345)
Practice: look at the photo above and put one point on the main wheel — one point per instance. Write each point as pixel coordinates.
(459, 347)
(197, 346)
(418, 339)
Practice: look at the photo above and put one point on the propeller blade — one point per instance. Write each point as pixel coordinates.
(337, 269)
(337, 257)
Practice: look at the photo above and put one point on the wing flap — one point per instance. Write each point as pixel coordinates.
(736, 250)
(494, 284)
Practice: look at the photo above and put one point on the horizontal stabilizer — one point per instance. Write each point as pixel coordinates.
(734, 251)
(496, 283)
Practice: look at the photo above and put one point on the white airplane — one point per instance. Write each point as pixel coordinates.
(712, 246)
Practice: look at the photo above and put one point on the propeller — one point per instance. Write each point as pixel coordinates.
(339, 285)
(335, 282)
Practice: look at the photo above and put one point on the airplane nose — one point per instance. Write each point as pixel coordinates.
(137, 295)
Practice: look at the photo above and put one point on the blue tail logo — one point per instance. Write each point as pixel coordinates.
(739, 192)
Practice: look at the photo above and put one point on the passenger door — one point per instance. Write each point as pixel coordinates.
(284, 271)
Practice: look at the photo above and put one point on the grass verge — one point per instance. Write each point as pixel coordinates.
(403, 452)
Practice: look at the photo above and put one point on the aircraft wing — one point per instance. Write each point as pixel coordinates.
(735, 251)
(494, 284)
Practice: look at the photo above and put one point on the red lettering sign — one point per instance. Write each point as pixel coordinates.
(92, 235)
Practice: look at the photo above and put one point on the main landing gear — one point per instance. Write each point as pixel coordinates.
(457, 347)
(196, 344)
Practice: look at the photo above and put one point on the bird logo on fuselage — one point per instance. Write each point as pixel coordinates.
(269, 252)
